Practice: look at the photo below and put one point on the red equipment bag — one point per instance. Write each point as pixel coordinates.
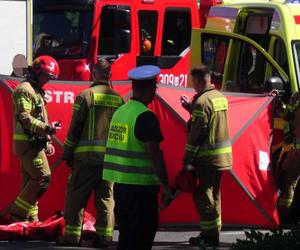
(48, 229)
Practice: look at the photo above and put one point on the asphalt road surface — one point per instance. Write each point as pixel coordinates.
(166, 239)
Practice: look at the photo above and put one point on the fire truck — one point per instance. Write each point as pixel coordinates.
(128, 33)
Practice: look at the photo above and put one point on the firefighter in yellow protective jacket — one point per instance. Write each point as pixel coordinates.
(32, 138)
(290, 170)
(208, 148)
(84, 150)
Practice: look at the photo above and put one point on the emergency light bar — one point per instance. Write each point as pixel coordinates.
(292, 1)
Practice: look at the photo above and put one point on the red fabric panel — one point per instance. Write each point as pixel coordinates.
(237, 206)
(60, 98)
(172, 97)
(241, 109)
(11, 83)
(247, 160)
(59, 109)
(182, 209)
(9, 165)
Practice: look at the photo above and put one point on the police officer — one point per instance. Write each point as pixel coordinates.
(135, 163)
(290, 170)
(208, 148)
(32, 137)
(84, 150)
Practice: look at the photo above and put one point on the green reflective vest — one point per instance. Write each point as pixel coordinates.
(126, 160)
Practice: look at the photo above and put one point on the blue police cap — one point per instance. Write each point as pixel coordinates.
(144, 72)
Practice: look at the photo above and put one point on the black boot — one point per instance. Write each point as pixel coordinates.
(102, 242)
(203, 241)
(67, 241)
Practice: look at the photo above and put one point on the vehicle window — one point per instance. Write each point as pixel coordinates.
(147, 30)
(251, 69)
(115, 30)
(296, 53)
(257, 24)
(257, 28)
(62, 32)
(245, 68)
(214, 55)
(280, 55)
(176, 31)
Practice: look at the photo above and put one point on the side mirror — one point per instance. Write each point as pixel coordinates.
(275, 82)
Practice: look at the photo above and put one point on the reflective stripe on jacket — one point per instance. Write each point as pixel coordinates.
(208, 138)
(126, 159)
(92, 112)
(30, 111)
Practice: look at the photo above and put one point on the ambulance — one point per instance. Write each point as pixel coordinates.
(251, 46)
(128, 33)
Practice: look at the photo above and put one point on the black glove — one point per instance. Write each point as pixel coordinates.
(51, 130)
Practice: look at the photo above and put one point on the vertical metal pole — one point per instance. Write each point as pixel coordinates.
(29, 33)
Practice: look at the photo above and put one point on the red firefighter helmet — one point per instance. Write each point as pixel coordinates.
(186, 180)
(47, 65)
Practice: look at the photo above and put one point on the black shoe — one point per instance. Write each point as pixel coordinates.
(102, 243)
(62, 241)
(204, 241)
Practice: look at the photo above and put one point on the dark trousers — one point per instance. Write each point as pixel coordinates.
(136, 213)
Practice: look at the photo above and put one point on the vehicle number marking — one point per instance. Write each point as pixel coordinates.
(175, 80)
